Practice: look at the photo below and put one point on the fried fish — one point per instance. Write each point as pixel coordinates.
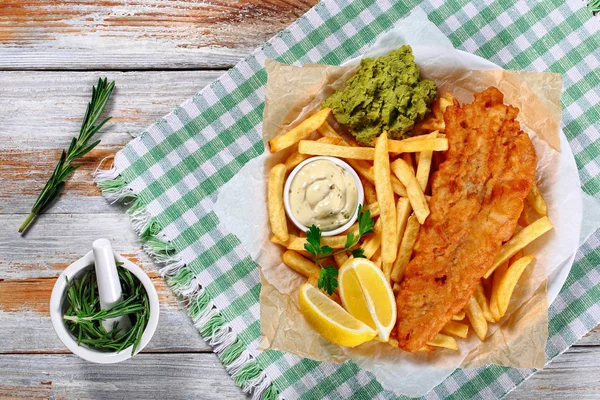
(477, 197)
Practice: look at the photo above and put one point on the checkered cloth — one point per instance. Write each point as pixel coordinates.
(174, 169)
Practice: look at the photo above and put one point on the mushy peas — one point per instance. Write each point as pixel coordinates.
(323, 194)
(385, 94)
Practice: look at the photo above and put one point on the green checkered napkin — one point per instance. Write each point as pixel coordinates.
(171, 173)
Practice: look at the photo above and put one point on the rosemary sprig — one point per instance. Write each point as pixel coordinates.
(84, 316)
(78, 148)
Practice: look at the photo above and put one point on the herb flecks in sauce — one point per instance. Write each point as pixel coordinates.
(323, 194)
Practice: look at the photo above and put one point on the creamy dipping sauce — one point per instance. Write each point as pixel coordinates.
(323, 194)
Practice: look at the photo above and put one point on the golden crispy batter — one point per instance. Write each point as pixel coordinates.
(477, 196)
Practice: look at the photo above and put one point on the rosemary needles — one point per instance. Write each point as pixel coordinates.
(78, 148)
(83, 315)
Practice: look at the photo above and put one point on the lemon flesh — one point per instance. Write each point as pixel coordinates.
(367, 295)
(330, 320)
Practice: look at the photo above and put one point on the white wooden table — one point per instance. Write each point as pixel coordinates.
(51, 53)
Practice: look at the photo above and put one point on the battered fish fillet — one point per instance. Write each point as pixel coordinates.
(477, 196)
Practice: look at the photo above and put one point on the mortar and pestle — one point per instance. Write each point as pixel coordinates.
(103, 259)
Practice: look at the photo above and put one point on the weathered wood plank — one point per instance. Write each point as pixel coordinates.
(43, 110)
(31, 332)
(573, 375)
(57, 240)
(592, 338)
(122, 34)
(29, 266)
(145, 376)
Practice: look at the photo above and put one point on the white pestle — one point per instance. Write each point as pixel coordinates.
(109, 284)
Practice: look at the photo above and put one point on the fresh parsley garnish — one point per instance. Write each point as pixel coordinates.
(365, 222)
(328, 279)
(358, 253)
(313, 242)
(328, 275)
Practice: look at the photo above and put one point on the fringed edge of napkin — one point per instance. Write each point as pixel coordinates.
(206, 316)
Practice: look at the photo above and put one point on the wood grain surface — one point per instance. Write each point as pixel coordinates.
(166, 45)
(138, 35)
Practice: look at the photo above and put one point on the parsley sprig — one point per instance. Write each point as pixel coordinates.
(328, 276)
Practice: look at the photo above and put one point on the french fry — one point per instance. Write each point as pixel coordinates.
(297, 243)
(479, 295)
(456, 328)
(327, 130)
(296, 158)
(372, 244)
(373, 208)
(417, 146)
(368, 173)
(387, 270)
(300, 264)
(340, 259)
(458, 316)
(524, 217)
(535, 199)
(396, 288)
(502, 292)
(425, 136)
(301, 131)
(385, 199)
(432, 124)
(424, 349)
(323, 149)
(369, 189)
(377, 226)
(520, 240)
(275, 202)
(476, 318)
(403, 211)
(413, 189)
(303, 253)
(377, 258)
(408, 160)
(445, 341)
(424, 165)
(445, 101)
(436, 109)
(397, 186)
(406, 246)
(354, 227)
(496, 278)
(517, 255)
(328, 261)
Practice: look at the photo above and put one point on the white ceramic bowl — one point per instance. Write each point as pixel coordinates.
(359, 191)
(57, 309)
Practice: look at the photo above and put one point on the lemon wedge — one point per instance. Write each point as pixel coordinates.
(330, 320)
(367, 296)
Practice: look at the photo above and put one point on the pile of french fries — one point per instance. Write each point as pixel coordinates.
(395, 176)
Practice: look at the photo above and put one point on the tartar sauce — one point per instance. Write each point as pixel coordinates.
(323, 194)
